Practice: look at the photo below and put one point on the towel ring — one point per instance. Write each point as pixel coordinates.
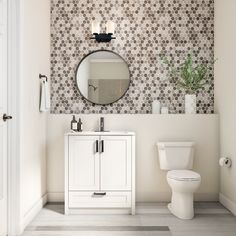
(43, 76)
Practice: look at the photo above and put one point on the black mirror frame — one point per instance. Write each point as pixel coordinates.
(102, 50)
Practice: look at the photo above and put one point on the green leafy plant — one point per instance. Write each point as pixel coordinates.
(188, 76)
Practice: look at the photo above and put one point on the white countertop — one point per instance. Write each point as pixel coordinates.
(107, 133)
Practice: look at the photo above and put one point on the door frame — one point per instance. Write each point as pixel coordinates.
(13, 129)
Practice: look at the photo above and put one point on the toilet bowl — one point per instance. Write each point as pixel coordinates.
(177, 159)
(183, 184)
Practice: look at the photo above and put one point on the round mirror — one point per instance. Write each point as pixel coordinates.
(103, 77)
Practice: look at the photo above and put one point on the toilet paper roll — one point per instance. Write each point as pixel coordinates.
(225, 162)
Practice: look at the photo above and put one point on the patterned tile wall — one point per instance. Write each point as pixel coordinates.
(145, 29)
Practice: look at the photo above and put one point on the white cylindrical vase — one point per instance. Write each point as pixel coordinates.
(156, 107)
(164, 110)
(190, 104)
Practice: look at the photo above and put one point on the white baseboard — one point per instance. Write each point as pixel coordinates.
(30, 215)
(55, 197)
(227, 203)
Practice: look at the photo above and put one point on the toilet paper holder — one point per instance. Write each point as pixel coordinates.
(225, 162)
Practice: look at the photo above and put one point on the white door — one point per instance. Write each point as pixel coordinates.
(115, 163)
(83, 163)
(3, 110)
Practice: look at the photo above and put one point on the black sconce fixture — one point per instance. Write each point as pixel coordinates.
(103, 37)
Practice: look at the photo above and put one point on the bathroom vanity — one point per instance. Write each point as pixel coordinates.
(100, 172)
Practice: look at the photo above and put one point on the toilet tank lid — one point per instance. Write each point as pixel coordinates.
(175, 144)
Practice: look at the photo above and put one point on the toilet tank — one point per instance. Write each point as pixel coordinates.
(176, 155)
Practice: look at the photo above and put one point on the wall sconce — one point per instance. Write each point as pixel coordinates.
(103, 37)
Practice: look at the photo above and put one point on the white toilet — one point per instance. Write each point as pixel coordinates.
(177, 158)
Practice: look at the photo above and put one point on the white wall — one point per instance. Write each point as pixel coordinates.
(225, 93)
(34, 59)
(151, 181)
(109, 70)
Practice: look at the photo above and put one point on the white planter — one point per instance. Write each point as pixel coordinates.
(190, 104)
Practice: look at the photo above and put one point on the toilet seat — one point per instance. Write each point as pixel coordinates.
(183, 175)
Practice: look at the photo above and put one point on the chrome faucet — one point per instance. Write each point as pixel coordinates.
(102, 125)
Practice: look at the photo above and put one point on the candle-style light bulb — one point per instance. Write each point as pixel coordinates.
(95, 27)
(110, 27)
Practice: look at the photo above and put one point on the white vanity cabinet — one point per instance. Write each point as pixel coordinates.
(100, 172)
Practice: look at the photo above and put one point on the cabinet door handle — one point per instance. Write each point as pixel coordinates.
(102, 146)
(96, 146)
(99, 194)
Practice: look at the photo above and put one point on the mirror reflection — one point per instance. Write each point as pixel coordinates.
(103, 77)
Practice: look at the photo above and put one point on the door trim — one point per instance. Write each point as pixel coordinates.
(14, 225)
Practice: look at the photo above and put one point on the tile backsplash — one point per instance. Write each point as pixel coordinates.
(145, 30)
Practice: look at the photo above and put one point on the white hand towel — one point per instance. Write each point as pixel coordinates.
(44, 96)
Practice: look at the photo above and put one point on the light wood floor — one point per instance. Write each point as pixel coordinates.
(211, 219)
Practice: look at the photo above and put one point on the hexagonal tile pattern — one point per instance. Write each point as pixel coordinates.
(145, 29)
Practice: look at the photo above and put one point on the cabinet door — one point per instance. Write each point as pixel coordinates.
(115, 163)
(83, 163)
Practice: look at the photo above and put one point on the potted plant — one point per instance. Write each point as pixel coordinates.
(191, 78)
